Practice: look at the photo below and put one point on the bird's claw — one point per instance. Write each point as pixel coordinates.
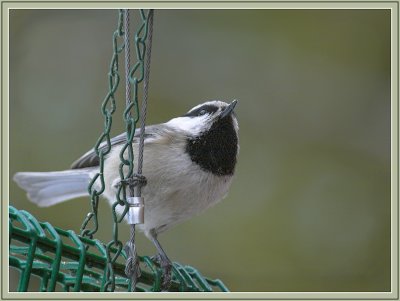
(166, 267)
(156, 259)
(167, 276)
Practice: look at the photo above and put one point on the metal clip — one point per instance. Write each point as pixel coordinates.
(135, 213)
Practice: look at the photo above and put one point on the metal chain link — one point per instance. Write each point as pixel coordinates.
(131, 113)
(126, 167)
(132, 269)
(143, 113)
(107, 109)
(131, 117)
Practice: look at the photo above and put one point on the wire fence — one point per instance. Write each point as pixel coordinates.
(65, 261)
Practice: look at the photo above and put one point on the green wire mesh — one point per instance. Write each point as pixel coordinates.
(62, 259)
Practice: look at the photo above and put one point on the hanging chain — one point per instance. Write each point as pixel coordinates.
(136, 203)
(126, 168)
(132, 269)
(143, 114)
(131, 113)
(131, 117)
(107, 109)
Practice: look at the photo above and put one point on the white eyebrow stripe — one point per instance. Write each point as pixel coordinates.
(215, 103)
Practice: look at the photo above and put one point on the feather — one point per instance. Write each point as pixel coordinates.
(50, 188)
(91, 159)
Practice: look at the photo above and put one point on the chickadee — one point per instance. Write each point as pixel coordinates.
(189, 163)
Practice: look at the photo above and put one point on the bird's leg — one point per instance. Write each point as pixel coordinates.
(164, 263)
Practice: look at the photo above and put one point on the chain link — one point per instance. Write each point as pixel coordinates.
(107, 109)
(131, 113)
(126, 167)
(131, 116)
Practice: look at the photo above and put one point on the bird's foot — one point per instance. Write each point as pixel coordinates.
(167, 275)
(156, 259)
(166, 267)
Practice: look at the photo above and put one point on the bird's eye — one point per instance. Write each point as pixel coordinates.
(203, 110)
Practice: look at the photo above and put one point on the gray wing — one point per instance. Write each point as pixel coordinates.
(90, 159)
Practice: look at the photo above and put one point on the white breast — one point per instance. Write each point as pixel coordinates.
(176, 189)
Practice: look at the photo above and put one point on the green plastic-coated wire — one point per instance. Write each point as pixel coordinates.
(97, 185)
(64, 261)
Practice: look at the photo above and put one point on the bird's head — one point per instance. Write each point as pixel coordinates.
(212, 139)
(206, 116)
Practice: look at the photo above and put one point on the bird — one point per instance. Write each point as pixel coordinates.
(189, 164)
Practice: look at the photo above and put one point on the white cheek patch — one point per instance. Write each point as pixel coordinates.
(193, 125)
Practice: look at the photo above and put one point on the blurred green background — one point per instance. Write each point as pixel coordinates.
(309, 209)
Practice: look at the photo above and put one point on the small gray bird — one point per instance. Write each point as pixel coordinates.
(189, 163)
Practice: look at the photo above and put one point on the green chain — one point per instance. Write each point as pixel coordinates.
(131, 122)
(114, 247)
(131, 117)
(107, 109)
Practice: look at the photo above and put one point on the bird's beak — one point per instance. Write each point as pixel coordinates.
(229, 109)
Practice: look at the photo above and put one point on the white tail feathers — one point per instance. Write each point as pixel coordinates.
(49, 188)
